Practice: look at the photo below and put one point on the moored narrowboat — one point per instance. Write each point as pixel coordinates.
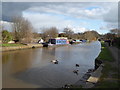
(59, 41)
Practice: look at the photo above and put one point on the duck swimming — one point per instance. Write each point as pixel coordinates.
(55, 61)
(76, 71)
(77, 65)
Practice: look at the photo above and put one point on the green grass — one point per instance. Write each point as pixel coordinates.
(9, 45)
(107, 68)
(105, 54)
(106, 72)
(115, 75)
(106, 84)
(103, 44)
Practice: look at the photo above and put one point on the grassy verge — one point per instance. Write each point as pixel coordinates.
(109, 77)
(105, 54)
(107, 84)
(9, 45)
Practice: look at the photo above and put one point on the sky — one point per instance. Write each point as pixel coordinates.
(79, 16)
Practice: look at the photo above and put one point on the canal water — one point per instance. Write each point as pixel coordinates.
(32, 68)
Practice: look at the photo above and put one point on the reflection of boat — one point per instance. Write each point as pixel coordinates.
(45, 44)
(50, 44)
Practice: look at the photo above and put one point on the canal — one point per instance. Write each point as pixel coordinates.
(32, 68)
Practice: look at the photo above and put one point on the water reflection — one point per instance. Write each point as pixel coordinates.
(33, 67)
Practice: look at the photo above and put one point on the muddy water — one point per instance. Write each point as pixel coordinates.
(32, 68)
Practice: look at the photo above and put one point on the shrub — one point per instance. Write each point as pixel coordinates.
(6, 36)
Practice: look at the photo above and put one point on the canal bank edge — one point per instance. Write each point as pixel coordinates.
(28, 46)
(11, 48)
(100, 72)
(89, 79)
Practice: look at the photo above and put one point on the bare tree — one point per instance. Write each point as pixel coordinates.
(91, 35)
(36, 35)
(49, 33)
(22, 29)
(116, 32)
(109, 36)
(69, 33)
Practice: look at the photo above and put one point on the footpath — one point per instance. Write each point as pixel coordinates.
(116, 64)
(115, 53)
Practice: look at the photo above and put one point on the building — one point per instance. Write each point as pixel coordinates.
(40, 41)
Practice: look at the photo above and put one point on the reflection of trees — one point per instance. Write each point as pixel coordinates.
(52, 51)
(18, 60)
(22, 59)
(5, 58)
(48, 53)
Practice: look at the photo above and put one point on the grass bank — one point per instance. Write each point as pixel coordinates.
(109, 77)
(105, 54)
(9, 45)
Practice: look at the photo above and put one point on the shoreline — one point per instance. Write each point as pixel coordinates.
(90, 78)
(28, 46)
(108, 69)
(12, 48)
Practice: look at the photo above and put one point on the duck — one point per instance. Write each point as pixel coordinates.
(77, 65)
(76, 71)
(54, 61)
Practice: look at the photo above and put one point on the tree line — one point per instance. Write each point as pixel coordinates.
(23, 32)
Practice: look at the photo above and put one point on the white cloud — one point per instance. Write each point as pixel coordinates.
(111, 18)
(41, 13)
(44, 20)
(60, 0)
(103, 11)
(6, 25)
(72, 9)
(112, 15)
(79, 29)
